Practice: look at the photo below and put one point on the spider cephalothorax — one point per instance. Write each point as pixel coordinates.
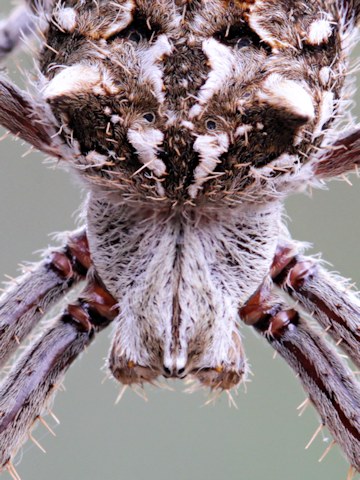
(188, 122)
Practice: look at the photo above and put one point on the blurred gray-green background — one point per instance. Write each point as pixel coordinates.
(172, 436)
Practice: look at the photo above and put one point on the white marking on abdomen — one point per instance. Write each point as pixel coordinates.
(146, 143)
(326, 112)
(80, 78)
(150, 69)
(324, 75)
(223, 64)
(66, 18)
(74, 79)
(319, 32)
(210, 148)
(282, 93)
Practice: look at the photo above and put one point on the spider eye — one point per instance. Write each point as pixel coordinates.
(135, 36)
(241, 35)
(211, 125)
(149, 117)
(244, 42)
(139, 30)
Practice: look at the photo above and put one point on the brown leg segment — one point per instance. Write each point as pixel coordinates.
(329, 382)
(342, 158)
(34, 379)
(28, 119)
(36, 292)
(335, 307)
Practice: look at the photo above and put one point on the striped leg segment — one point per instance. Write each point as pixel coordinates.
(330, 302)
(25, 393)
(29, 119)
(37, 291)
(329, 382)
(341, 158)
(39, 6)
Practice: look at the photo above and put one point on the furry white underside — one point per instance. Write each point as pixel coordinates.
(180, 279)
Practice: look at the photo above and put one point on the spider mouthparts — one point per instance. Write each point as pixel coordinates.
(219, 378)
(128, 372)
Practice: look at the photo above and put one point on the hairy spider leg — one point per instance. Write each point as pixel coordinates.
(26, 391)
(36, 292)
(14, 30)
(342, 157)
(29, 119)
(330, 383)
(325, 296)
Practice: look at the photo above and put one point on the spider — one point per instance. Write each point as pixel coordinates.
(188, 122)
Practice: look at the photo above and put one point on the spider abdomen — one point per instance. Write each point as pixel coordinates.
(188, 105)
(180, 279)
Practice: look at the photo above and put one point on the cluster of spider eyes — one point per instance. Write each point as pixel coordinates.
(210, 124)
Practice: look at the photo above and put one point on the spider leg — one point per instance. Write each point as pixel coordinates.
(26, 391)
(39, 6)
(331, 385)
(342, 157)
(352, 8)
(29, 119)
(33, 294)
(330, 301)
(14, 29)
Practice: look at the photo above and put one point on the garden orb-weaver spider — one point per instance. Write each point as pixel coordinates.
(281, 96)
